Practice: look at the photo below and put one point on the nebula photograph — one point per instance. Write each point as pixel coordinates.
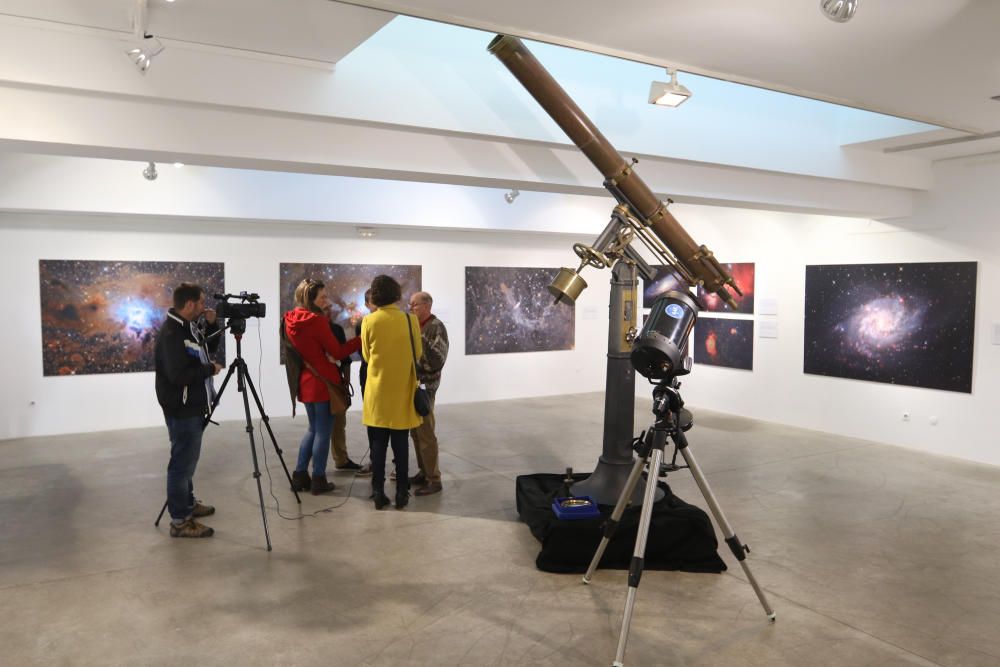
(103, 316)
(346, 285)
(723, 342)
(908, 324)
(743, 274)
(510, 310)
(664, 281)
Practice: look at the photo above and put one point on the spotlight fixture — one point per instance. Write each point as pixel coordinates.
(366, 232)
(509, 197)
(149, 173)
(840, 11)
(670, 94)
(142, 56)
(178, 164)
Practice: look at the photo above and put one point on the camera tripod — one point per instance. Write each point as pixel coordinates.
(671, 422)
(243, 381)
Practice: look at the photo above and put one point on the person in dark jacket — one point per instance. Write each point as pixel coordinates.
(184, 390)
(308, 330)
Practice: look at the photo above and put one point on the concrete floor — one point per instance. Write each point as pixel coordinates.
(870, 554)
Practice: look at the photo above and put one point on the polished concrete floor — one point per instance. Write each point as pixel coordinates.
(870, 554)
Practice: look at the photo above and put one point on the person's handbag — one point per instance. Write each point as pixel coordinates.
(421, 399)
(340, 399)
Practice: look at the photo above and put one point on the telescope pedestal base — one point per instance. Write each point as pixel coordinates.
(605, 484)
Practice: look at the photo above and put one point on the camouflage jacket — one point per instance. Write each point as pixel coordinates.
(435, 341)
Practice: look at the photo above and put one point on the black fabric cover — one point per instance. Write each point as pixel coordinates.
(681, 536)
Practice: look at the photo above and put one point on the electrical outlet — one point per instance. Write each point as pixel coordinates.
(906, 416)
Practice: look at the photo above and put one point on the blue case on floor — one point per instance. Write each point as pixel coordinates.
(586, 510)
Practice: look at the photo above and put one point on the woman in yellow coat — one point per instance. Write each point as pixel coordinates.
(388, 401)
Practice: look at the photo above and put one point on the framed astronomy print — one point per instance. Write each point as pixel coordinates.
(723, 342)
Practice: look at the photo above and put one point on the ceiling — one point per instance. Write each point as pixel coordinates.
(936, 61)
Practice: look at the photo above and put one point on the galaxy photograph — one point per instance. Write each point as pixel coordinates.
(510, 310)
(664, 281)
(103, 316)
(346, 285)
(743, 274)
(724, 342)
(908, 324)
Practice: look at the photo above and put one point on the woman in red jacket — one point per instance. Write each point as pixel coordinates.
(308, 330)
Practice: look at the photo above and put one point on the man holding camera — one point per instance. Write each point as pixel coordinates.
(184, 390)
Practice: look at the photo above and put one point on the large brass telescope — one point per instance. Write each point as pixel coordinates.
(696, 264)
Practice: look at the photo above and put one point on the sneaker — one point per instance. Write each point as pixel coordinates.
(190, 528)
(201, 510)
(350, 466)
(365, 470)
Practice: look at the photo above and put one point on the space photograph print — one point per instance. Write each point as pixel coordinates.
(743, 274)
(103, 316)
(346, 285)
(908, 324)
(509, 309)
(723, 342)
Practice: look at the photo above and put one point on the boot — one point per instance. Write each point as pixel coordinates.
(300, 481)
(378, 495)
(320, 485)
(402, 498)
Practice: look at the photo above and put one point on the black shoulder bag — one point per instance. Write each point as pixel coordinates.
(421, 399)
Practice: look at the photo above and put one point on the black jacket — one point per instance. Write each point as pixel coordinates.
(180, 374)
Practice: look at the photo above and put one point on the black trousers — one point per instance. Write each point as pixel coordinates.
(379, 440)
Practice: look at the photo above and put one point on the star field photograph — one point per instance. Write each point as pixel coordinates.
(103, 316)
(743, 274)
(723, 342)
(908, 324)
(664, 281)
(509, 309)
(346, 285)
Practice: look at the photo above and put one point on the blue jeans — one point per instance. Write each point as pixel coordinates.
(315, 443)
(185, 449)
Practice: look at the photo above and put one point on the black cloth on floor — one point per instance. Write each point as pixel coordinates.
(681, 536)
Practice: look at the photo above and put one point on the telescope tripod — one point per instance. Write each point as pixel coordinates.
(243, 382)
(671, 422)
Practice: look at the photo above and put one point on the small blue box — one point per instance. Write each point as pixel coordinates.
(585, 510)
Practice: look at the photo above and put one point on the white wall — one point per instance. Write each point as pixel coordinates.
(957, 221)
(31, 404)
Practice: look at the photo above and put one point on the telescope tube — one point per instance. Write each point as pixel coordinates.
(618, 174)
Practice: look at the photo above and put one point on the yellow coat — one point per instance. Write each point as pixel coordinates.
(385, 344)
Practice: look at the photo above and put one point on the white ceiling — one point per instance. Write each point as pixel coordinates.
(311, 30)
(936, 61)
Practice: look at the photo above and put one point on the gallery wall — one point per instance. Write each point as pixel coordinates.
(31, 404)
(956, 222)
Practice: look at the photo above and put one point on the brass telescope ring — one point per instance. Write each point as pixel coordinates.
(591, 257)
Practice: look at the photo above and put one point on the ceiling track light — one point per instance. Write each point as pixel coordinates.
(149, 46)
(366, 232)
(150, 173)
(669, 94)
(509, 197)
(840, 11)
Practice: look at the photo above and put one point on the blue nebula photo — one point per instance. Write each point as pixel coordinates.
(510, 309)
(103, 316)
(909, 324)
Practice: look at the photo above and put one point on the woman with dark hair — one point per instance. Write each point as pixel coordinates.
(389, 414)
(308, 330)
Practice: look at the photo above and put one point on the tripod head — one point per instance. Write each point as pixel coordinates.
(668, 405)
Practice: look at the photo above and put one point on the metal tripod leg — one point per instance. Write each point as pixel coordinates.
(635, 568)
(739, 549)
(274, 441)
(612, 524)
(241, 377)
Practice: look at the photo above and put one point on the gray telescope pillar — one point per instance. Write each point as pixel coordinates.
(605, 484)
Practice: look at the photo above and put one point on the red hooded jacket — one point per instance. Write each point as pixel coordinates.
(311, 335)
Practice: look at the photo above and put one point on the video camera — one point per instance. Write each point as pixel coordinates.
(250, 306)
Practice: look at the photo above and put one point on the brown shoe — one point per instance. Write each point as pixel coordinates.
(419, 479)
(319, 485)
(201, 510)
(428, 489)
(190, 528)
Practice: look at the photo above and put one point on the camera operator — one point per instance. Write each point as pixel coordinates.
(184, 390)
